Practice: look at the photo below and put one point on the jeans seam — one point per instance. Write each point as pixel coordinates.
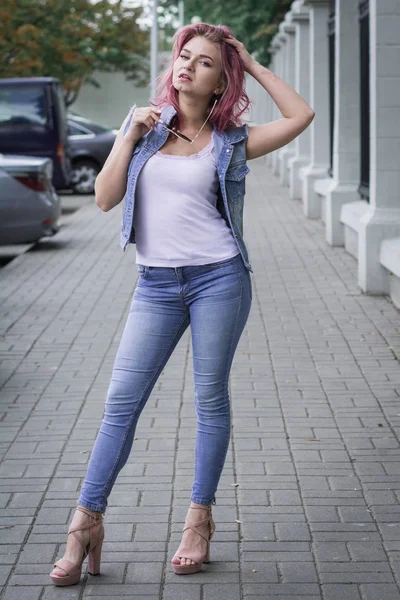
(231, 353)
(138, 408)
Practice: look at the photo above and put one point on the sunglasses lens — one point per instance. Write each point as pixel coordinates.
(182, 136)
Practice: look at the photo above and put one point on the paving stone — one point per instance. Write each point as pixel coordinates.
(173, 591)
(331, 551)
(377, 591)
(260, 572)
(21, 592)
(259, 531)
(300, 572)
(151, 531)
(37, 553)
(338, 591)
(261, 590)
(292, 532)
(144, 573)
(364, 552)
(140, 591)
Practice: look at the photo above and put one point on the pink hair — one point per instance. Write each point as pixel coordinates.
(234, 101)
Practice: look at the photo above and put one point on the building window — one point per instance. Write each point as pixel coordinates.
(332, 47)
(365, 110)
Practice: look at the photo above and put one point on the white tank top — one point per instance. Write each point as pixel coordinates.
(175, 218)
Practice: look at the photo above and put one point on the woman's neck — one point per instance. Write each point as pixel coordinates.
(192, 113)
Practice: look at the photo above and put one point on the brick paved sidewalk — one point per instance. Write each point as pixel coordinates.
(316, 415)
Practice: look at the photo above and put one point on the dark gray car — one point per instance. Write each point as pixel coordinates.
(29, 205)
(90, 145)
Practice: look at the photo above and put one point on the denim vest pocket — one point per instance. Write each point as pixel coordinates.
(235, 181)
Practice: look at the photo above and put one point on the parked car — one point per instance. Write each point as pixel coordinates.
(33, 122)
(90, 145)
(29, 205)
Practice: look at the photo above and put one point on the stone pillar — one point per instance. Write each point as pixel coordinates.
(300, 19)
(382, 220)
(319, 101)
(270, 103)
(288, 30)
(258, 109)
(281, 64)
(343, 187)
(274, 49)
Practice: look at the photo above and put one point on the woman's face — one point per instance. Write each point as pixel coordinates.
(197, 70)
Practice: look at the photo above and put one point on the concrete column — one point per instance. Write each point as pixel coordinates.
(281, 64)
(288, 30)
(262, 106)
(274, 67)
(382, 221)
(319, 100)
(274, 49)
(300, 19)
(270, 103)
(252, 91)
(343, 187)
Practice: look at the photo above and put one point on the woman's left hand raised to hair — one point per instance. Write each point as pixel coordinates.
(246, 58)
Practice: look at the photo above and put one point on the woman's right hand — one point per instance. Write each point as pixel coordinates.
(143, 120)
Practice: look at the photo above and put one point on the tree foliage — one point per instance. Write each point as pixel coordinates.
(70, 40)
(253, 22)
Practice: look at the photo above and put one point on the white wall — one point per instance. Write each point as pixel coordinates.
(109, 104)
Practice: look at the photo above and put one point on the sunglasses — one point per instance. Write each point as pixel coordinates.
(181, 135)
(176, 132)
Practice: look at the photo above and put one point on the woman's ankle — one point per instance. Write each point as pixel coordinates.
(89, 511)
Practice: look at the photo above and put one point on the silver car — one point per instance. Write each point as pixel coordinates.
(29, 205)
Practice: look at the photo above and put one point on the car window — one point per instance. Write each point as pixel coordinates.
(74, 129)
(61, 111)
(88, 125)
(22, 105)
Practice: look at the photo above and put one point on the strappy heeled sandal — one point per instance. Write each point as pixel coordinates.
(186, 552)
(92, 549)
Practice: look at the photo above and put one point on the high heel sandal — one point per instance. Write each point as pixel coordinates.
(193, 555)
(92, 549)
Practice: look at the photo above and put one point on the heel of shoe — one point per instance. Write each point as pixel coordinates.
(94, 559)
(207, 560)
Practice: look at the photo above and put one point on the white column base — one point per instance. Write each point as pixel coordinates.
(376, 225)
(295, 183)
(286, 155)
(334, 195)
(311, 200)
(350, 215)
(275, 162)
(270, 159)
(390, 259)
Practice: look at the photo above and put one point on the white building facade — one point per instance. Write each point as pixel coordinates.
(343, 57)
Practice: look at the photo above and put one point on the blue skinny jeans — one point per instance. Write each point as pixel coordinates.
(215, 300)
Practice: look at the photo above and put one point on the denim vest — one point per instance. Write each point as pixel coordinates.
(230, 149)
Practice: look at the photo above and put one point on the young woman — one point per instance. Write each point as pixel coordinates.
(180, 165)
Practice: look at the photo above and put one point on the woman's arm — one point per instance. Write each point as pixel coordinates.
(297, 114)
(110, 184)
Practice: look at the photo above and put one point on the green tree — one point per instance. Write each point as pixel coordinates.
(70, 40)
(253, 22)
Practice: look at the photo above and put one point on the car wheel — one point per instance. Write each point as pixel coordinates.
(84, 174)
